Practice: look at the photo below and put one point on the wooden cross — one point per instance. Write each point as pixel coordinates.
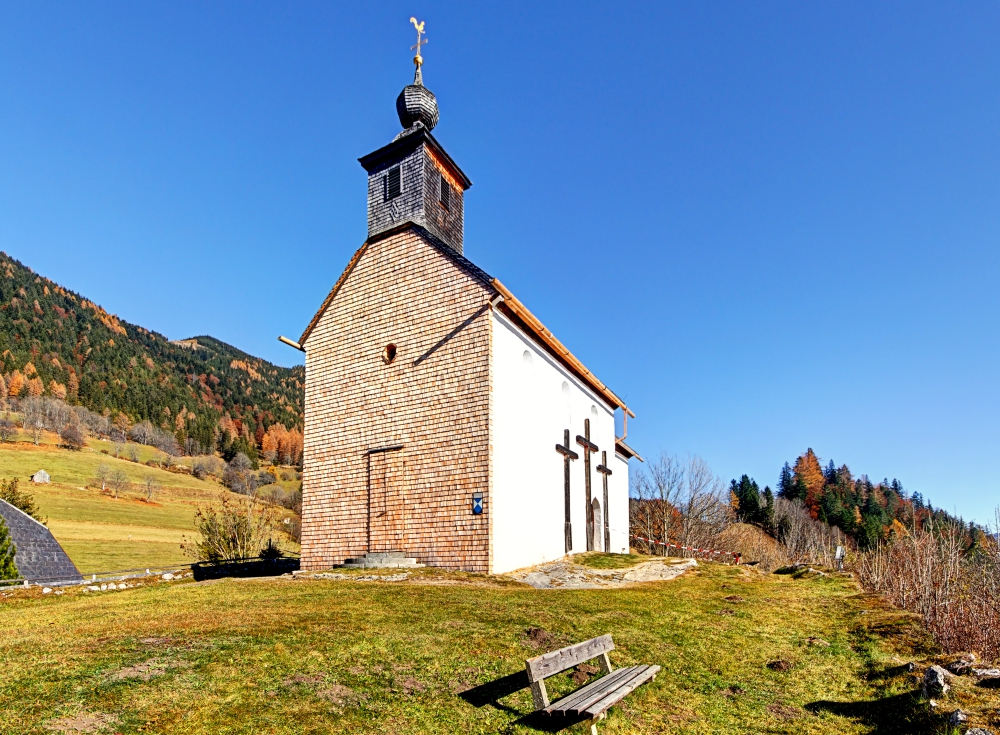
(568, 456)
(588, 447)
(605, 470)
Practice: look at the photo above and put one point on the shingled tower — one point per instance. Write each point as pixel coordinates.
(413, 179)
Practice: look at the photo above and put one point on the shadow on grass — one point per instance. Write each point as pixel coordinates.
(890, 673)
(492, 692)
(900, 714)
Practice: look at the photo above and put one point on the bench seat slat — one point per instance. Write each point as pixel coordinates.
(620, 692)
(597, 687)
(584, 704)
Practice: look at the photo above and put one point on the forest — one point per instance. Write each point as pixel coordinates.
(55, 343)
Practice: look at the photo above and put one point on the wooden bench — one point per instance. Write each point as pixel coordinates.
(594, 699)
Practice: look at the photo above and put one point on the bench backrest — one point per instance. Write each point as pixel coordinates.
(553, 662)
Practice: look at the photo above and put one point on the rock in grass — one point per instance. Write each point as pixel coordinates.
(986, 673)
(935, 681)
(957, 717)
(978, 731)
(962, 665)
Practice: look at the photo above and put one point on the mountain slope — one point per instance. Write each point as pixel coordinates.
(56, 342)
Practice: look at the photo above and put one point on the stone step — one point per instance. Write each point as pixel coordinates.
(382, 560)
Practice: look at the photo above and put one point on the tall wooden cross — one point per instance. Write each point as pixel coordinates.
(568, 456)
(588, 447)
(606, 471)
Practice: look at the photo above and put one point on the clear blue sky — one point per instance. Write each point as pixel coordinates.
(768, 226)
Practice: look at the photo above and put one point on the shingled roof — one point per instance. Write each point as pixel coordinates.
(39, 557)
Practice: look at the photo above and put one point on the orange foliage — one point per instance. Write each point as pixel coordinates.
(16, 384)
(810, 472)
(35, 387)
(57, 390)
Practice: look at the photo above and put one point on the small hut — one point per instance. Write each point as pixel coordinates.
(40, 478)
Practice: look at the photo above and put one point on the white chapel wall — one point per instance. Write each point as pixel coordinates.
(534, 400)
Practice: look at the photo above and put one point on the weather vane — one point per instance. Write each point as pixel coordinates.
(418, 59)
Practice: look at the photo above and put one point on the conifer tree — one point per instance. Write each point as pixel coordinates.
(7, 551)
(786, 482)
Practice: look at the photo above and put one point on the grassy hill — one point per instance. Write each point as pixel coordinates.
(99, 532)
(75, 349)
(445, 652)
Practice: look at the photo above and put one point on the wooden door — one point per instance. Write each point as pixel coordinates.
(385, 503)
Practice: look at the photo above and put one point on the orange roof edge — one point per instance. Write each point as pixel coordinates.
(548, 340)
(333, 292)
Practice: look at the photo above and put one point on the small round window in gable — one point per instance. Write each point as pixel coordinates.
(389, 353)
(593, 410)
(526, 357)
(565, 388)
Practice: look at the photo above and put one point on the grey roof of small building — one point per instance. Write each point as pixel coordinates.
(39, 557)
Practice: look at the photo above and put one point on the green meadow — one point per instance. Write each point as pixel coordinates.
(98, 531)
(441, 653)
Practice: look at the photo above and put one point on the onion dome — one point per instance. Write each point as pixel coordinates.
(417, 105)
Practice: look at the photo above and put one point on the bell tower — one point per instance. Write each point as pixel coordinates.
(413, 179)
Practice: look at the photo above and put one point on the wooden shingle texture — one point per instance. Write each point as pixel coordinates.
(433, 399)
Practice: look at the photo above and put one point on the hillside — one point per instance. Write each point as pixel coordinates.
(56, 342)
(741, 652)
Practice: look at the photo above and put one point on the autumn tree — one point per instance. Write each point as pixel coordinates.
(35, 387)
(16, 384)
(808, 473)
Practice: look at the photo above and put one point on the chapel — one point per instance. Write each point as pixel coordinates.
(444, 423)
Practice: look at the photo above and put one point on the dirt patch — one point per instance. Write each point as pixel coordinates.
(409, 685)
(93, 722)
(339, 695)
(733, 598)
(158, 641)
(783, 711)
(539, 638)
(583, 672)
(725, 612)
(779, 665)
(145, 671)
(818, 642)
(733, 691)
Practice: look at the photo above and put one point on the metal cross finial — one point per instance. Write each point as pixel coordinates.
(418, 59)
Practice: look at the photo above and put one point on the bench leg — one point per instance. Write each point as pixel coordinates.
(593, 723)
(539, 696)
(604, 663)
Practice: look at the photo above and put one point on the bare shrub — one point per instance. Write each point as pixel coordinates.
(679, 501)
(102, 474)
(956, 591)
(806, 539)
(150, 486)
(241, 528)
(133, 452)
(73, 436)
(118, 482)
(7, 428)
